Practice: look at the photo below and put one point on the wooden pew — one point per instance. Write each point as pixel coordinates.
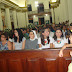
(46, 60)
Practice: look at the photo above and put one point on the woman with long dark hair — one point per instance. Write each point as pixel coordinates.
(59, 39)
(19, 40)
(45, 41)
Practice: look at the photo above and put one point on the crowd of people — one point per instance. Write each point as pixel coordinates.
(48, 36)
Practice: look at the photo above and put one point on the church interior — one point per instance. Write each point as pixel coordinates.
(35, 35)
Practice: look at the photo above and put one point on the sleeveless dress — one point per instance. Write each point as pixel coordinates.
(3, 47)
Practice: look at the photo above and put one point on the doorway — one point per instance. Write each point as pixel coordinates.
(41, 21)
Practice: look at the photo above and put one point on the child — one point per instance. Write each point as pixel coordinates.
(32, 43)
(45, 41)
(59, 40)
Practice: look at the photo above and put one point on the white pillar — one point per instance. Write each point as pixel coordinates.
(52, 15)
(8, 21)
(1, 24)
(66, 9)
(15, 19)
(70, 10)
(19, 19)
(24, 19)
(27, 20)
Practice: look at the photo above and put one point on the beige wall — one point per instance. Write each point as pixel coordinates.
(21, 19)
(64, 11)
(35, 18)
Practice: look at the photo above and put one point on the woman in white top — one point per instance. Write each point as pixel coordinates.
(45, 41)
(59, 40)
(19, 40)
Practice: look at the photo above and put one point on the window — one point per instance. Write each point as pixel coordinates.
(40, 8)
(29, 8)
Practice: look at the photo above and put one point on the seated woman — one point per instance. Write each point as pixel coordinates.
(68, 45)
(19, 40)
(4, 44)
(59, 40)
(32, 43)
(45, 41)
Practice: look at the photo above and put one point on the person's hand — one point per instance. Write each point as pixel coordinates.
(71, 53)
(61, 53)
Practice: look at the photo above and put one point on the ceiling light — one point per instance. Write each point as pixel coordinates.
(46, 14)
(34, 16)
(36, 4)
(53, 0)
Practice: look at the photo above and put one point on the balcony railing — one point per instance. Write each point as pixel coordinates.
(36, 12)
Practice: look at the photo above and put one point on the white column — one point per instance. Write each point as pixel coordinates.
(52, 15)
(15, 19)
(8, 21)
(19, 19)
(27, 20)
(61, 12)
(24, 19)
(1, 24)
(66, 10)
(70, 10)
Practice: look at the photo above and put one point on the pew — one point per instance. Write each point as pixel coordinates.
(45, 60)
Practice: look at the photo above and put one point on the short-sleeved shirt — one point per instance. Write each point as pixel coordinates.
(46, 42)
(18, 46)
(60, 42)
(3, 47)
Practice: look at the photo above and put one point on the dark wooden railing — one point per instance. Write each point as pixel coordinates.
(46, 60)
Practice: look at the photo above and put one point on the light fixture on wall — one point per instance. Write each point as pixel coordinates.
(34, 16)
(36, 4)
(53, 0)
(46, 14)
